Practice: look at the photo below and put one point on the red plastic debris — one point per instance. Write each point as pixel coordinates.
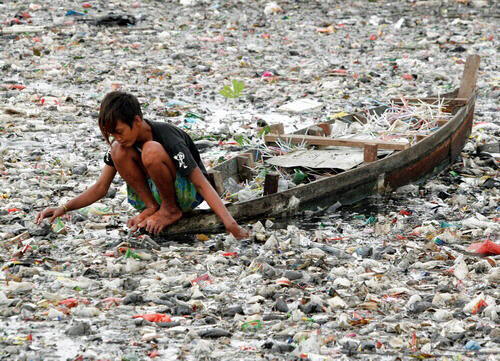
(486, 248)
(405, 213)
(11, 210)
(153, 354)
(230, 254)
(478, 307)
(69, 302)
(111, 301)
(373, 37)
(205, 278)
(16, 86)
(414, 341)
(73, 302)
(154, 317)
(407, 77)
(284, 282)
(86, 5)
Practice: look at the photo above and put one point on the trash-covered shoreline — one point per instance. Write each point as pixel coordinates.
(411, 274)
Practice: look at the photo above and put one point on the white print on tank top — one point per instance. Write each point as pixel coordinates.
(180, 158)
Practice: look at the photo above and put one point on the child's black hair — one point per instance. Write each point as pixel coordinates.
(116, 106)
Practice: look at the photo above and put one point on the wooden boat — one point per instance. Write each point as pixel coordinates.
(428, 156)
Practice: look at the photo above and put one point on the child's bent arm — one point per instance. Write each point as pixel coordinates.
(89, 196)
(210, 195)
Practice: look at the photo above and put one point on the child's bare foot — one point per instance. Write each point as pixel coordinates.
(133, 223)
(159, 220)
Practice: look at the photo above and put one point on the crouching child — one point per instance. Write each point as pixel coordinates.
(159, 162)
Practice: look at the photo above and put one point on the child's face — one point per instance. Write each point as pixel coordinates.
(124, 134)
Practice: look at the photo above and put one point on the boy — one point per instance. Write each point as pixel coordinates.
(160, 164)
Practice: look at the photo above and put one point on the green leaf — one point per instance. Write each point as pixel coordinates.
(238, 87)
(226, 92)
(131, 254)
(265, 130)
(240, 139)
(233, 91)
(299, 176)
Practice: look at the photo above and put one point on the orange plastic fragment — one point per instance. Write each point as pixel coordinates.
(154, 317)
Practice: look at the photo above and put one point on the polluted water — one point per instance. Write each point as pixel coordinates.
(412, 274)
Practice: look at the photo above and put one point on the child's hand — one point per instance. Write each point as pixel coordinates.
(53, 213)
(237, 231)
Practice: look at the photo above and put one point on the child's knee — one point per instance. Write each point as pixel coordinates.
(153, 153)
(118, 152)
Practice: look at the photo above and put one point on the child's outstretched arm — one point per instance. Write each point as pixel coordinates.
(89, 196)
(208, 192)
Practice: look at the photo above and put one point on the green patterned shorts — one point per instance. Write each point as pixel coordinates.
(187, 196)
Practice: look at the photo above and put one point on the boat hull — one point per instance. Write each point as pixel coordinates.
(426, 158)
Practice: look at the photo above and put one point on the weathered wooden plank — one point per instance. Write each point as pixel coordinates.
(327, 128)
(469, 77)
(315, 130)
(245, 166)
(325, 141)
(271, 183)
(277, 128)
(370, 152)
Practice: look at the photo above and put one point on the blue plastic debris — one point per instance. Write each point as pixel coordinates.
(472, 346)
(74, 13)
(439, 241)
